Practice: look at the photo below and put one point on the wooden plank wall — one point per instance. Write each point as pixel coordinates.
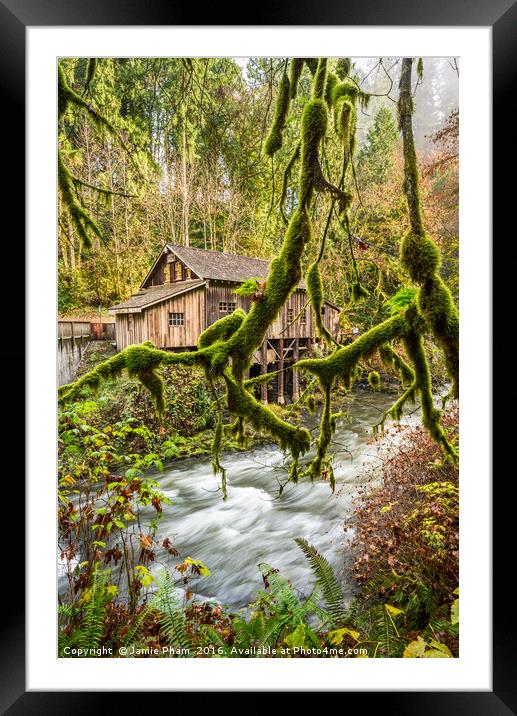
(124, 334)
(200, 311)
(225, 292)
(192, 305)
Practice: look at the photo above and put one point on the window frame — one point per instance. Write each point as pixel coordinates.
(176, 319)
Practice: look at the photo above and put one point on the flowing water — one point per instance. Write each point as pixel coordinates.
(257, 525)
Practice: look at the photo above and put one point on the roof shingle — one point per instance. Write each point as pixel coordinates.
(155, 294)
(220, 266)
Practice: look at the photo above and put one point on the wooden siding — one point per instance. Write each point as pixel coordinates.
(165, 271)
(157, 329)
(129, 331)
(216, 293)
(201, 308)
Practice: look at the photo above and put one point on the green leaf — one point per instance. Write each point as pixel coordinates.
(415, 649)
(455, 612)
(297, 637)
(202, 568)
(336, 636)
(394, 611)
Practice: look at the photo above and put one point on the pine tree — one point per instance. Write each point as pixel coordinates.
(376, 157)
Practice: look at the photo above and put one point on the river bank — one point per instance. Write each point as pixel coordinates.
(154, 504)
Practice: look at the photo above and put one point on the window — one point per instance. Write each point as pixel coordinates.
(227, 306)
(290, 315)
(303, 318)
(178, 271)
(176, 319)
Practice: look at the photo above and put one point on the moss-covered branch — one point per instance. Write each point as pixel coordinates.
(419, 254)
(341, 364)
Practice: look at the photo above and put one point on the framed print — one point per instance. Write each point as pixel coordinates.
(266, 267)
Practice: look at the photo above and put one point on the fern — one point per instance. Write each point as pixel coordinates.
(94, 611)
(389, 643)
(215, 639)
(401, 300)
(134, 631)
(326, 580)
(172, 618)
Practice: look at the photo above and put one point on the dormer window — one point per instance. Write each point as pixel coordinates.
(178, 271)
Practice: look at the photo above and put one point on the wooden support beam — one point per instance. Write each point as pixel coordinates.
(263, 369)
(281, 380)
(296, 374)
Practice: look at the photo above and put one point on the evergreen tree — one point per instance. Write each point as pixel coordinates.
(376, 157)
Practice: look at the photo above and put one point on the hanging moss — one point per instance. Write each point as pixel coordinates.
(374, 380)
(392, 359)
(343, 67)
(287, 175)
(358, 292)
(217, 443)
(332, 81)
(274, 139)
(327, 429)
(341, 364)
(312, 64)
(419, 255)
(81, 220)
(315, 291)
(314, 126)
(295, 70)
(420, 69)
(240, 402)
(320, 78)
(414, 345)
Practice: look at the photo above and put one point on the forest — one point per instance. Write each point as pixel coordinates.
(194, 519)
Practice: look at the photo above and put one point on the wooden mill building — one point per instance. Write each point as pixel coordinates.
(188, 289)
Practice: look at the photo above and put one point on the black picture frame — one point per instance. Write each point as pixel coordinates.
(15, 16)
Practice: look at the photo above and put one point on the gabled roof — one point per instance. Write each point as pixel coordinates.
(155, 294)
(220, 266)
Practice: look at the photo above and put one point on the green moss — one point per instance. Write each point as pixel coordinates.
(414, 345)
(319, 463)
(332, 81)
(420, 257)
(222, 329)
(343, 67)
(274, 139)
(312, 64)
(81, 220)
(341, 364)
(287, 175)
(315, 291)
(320, 78)
(391, 358)
(295, 70)
(241, 403)
(347, 90)
(358, 292)
(374, 380)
